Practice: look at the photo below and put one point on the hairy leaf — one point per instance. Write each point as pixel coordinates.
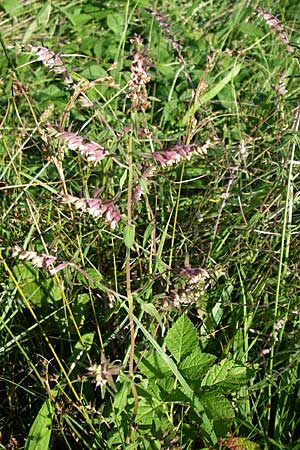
(195, 365)
(153, 366)
(182, 338)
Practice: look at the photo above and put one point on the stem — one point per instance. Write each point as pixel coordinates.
(285, 243)
(128, 281)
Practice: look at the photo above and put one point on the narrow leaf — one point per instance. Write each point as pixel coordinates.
(221, 84)
(129, 235)
(40, 431)
(213, 92)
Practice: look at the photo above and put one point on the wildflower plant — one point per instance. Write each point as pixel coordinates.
(150, 227)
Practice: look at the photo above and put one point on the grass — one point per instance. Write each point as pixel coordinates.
(150, 230)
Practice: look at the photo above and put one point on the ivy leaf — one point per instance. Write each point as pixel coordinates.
(196, 365)
(182, 338)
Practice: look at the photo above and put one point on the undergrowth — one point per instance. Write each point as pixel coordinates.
(149, 229)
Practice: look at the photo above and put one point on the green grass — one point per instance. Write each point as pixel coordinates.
(127, 347)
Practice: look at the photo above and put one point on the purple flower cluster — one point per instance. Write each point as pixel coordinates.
(97, 208)
(278, 28)
(51, 60)
(92, 151)
(179, 152)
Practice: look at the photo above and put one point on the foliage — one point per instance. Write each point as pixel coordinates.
(149, 230)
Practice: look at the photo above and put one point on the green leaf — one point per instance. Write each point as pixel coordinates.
(84, 345)
(243, 444)
(213, 92)
(150, 309)
(227, 375)
(217, 406)
(153, 366)
(40, 431)
(148, 409)
(116, 23)
(147, 233)
(93, 71)
(237, 377)
(129, 236)
(182, 338)
(11, 6)
(39, 290)
(221, 84)
(195, 365)
(218, 373)
(40, 21)
(195, 401)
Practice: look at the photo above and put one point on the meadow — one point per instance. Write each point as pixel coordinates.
(149, 242)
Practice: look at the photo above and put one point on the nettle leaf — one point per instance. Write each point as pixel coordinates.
(182, 338)
(153, 366)
(238, 376)
(196, 365)
(217, 406)
(149, 408)
(218, 373)
(227, 375)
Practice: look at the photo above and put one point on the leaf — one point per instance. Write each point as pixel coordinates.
(217, 406)
(213, 92)
(221, 84)
(237, 377)
(195, 401)
(11, 7)
(116, 23)
(39, 290)
(39, 22)
(228, 375)
(147, 233)
(242, 444)
(182, 338)
(195, 365)
(40, 431)
(150, 309)
(218, 373)
(153, 366)
(148, 408)
(82, 346)
(129, 235)
(93, 71)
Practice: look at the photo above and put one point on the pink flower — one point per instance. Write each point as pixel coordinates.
(51, 60)
(92, 151)
(179, 153)
(278, 28)
(97, 208)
